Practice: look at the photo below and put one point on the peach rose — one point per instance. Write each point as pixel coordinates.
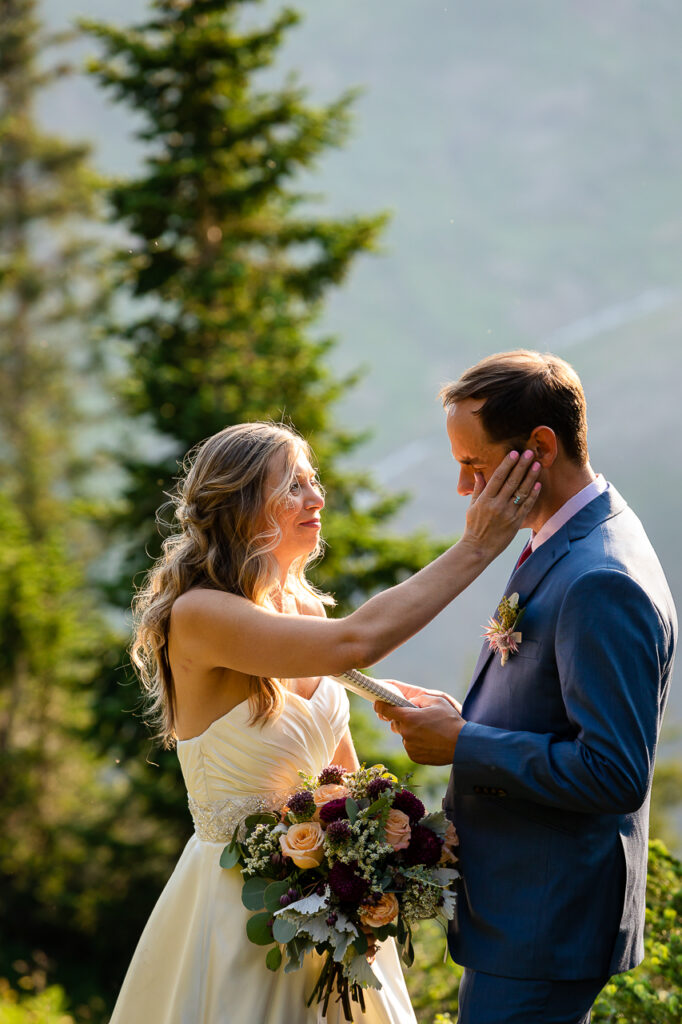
(303, 844)
(332, 791)
(398, 829)
(451, 840)
(378, 914)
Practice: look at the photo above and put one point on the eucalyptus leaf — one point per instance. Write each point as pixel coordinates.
(258, 929)
(274, 959)
(352, 809)
(229, 857)
(264, 818)
(253, 892)
(273, 893)
(283, 930)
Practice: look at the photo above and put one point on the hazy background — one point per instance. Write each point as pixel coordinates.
(531, 155)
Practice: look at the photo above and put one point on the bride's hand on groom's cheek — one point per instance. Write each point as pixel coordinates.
(429, 731)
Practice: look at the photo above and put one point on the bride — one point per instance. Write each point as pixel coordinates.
(236, 657)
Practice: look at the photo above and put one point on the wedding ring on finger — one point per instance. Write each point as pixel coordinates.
(518, 498)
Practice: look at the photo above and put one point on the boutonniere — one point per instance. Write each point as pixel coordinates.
(502, 633)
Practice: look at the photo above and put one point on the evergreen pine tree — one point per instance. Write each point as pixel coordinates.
(60, 802)
(233, 267)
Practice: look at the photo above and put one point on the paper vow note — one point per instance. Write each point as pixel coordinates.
(373, 689)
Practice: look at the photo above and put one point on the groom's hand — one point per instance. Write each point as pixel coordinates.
(429, 731)
(411, 692)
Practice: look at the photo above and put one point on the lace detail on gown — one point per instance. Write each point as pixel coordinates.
(215, 823)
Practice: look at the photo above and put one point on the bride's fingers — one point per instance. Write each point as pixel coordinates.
(479, 484)
(499, 476)
(525, 502)
(522, 477)
(510, 474)
(520, 490)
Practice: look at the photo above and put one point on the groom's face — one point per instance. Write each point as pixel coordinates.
(471, 446)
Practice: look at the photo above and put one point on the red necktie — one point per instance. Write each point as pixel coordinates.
(526, 553)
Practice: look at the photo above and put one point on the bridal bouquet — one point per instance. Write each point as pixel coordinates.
(352, 857)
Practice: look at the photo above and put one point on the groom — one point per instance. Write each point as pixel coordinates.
(553, 752)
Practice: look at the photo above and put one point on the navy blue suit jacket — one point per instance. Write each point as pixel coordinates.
(552, 772)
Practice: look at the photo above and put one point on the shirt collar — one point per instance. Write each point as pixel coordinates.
(568, 510)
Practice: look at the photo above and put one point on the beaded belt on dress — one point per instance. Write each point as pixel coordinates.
(216, 822)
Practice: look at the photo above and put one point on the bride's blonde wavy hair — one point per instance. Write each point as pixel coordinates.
(227, 529)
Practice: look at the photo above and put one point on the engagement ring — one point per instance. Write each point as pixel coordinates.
(518, 498)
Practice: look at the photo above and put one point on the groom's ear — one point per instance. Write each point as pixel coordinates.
(543, 441)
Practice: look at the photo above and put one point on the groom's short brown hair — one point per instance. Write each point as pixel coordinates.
(524, 390)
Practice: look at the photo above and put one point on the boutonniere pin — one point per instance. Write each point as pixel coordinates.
(502, 633)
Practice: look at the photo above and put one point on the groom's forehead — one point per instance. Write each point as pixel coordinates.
(468, 437)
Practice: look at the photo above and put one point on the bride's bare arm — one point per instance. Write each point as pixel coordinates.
(345, 753)
(221, 629)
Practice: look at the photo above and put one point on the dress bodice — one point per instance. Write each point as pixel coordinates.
(234, 768)
(193, 962)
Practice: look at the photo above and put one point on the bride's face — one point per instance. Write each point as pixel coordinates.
(298, 516)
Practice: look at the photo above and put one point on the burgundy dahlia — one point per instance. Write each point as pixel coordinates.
(332, 774)
(346, 884)
(409, 804)
(333, 811)
(376, 787)
(338, 830)
(425, 847)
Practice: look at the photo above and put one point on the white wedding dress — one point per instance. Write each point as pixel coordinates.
(194, 963)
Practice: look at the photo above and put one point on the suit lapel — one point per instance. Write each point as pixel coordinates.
(523, 581)
(528, 576)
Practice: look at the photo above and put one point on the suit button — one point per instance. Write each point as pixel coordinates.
(478, 789)
(502, 792)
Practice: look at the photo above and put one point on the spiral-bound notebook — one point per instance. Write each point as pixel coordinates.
(373, 689)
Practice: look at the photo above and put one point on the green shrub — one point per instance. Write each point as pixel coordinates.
(46, 1007)
(652, 993)
(433, 979)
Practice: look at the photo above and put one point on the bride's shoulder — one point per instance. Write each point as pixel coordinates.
(199, 602)
(310, 604)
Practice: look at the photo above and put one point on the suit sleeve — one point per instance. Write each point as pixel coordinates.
(612, 651)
